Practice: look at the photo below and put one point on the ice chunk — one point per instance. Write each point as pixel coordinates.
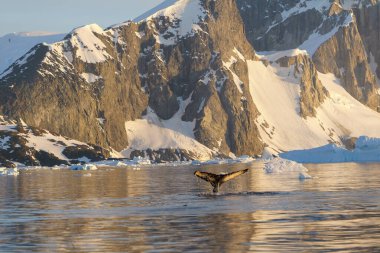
(367, 143)
(279, 165)
(283, 166)
(268, 154)
(141, 161)
(366, 150)
(303, 175)
(9, 171)
(83, 167)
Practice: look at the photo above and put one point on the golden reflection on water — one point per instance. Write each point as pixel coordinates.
(168, 209)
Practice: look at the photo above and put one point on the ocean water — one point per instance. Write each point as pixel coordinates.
(167, 209)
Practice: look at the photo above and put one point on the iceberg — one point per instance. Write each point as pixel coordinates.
(366, 149)
(83, 167)
(282, 166)
(9, 171)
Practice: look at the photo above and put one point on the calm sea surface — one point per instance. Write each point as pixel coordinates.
(167, 209)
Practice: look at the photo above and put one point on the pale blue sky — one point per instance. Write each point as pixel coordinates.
(64, 15)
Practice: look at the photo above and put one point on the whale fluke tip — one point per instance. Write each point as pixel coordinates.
(217, 180)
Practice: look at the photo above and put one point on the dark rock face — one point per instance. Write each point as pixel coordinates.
(351, 66)
(47, 159)
(239, 111)
(290, 33)
(94, 153)
(367, 19)
(259, 16)
(350, 143)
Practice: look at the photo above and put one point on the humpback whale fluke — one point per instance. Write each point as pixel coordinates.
(217, 180)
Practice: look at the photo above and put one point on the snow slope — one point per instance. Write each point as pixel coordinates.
(51, 143)
(276, 93)
(154, 133)
(183, 16)
(15, 45)
(89, 48)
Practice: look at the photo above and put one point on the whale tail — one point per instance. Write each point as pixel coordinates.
(217, 180)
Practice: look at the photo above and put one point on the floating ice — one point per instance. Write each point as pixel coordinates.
(279, 165)
(9, 171)
(83, 167)
(366, 150)
(283, 166)
(141, 161)
(268, 154)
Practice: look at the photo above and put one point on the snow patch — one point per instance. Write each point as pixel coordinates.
(235, 77)
(3, 143)
(8, 127)
(237, 52)
(275, 55)
(101, 121)
(45, 143)
(90, 78)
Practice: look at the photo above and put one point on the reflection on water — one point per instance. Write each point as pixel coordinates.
(168, 209)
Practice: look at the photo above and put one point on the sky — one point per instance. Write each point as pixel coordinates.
(62, 16)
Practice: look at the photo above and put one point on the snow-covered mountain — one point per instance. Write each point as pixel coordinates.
(31, 146)
(15, 45)
(193, 79)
